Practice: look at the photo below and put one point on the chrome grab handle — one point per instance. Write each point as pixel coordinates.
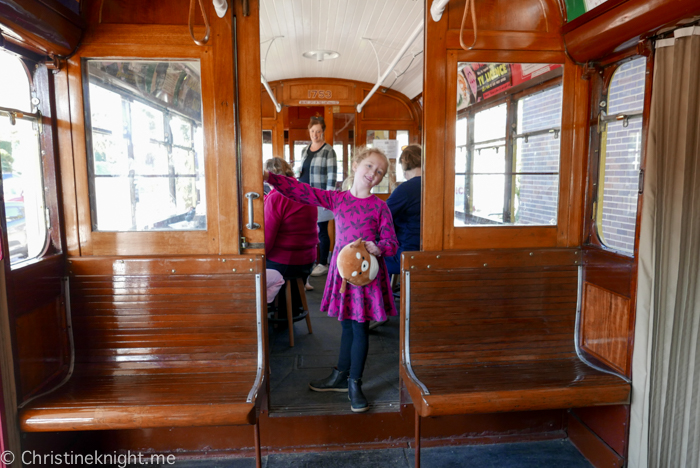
(251, 223)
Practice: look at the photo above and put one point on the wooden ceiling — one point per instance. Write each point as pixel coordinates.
(298, 26)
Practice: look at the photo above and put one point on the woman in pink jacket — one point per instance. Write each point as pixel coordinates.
(291, 233)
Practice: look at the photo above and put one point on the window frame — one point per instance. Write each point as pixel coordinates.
(174, 242)
(567, 230)
(602, 77)
(41, 87)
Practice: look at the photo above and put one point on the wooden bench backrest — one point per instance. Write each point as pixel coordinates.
(184, 315)
(490, 306)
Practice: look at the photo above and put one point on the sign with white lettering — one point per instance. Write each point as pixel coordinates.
(318, 103)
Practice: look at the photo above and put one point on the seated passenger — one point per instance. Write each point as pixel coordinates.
(291, 234)
(404, 204)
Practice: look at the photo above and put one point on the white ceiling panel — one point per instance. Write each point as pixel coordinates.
(288, 28)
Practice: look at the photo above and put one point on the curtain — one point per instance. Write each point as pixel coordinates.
(665, 414)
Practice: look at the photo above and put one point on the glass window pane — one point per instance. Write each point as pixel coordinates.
(146, 140)
(23, 188)
(181, 131)
(507, 155)
(22, 173)
(490, 124)
(402, 137)
(298, 150)
(461, 137)
(461, 201)
(14, 92)
(267, 145)
(626, 92)
(535, 201)
(483, 199)
(621, 146)
(617, 216)
(338, 148)
(540, 111)
(376, 135)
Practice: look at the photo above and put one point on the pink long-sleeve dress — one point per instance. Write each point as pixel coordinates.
(368, 218)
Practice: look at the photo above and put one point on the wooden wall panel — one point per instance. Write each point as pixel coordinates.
(35, 295)
(383, 107)
(268, 110)
(591, 446)
(505, 15)
(40, 343)
(610, 423)
(435, 98)
(140, 12)
(340, 432)
(612, 271)
(605, 330)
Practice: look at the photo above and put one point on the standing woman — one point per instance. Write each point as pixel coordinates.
(319, 170)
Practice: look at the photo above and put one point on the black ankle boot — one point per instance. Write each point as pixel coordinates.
(336, 382)
(358, 402)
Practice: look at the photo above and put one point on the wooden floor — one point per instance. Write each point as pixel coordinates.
(313, 356)
(545, 454)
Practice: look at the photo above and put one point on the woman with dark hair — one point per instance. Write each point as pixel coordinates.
(404, 204)
(290, 233)
(319, 170)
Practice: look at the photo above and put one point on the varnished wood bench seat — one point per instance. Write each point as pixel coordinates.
(159, 343)
(87, 402)
(526, 385)
(495, 331)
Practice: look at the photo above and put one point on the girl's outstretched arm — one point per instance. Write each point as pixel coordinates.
(302, 193)
(387, 243)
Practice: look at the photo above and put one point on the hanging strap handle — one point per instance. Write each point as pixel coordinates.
(471, 4)
(206, 24)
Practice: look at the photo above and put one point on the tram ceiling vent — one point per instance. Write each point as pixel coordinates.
(321, 55)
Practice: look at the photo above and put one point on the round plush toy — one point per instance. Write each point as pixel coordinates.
(356, 266)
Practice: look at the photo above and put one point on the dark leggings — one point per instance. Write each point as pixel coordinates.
(324, 241)
(354, 344)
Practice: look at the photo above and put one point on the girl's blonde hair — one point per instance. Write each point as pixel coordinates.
(361, 153)
(279, 166)
(365, 151)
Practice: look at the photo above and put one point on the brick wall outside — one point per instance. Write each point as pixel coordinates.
(536, 195)
(622, 157)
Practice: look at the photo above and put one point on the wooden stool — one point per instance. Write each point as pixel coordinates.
(287, 291)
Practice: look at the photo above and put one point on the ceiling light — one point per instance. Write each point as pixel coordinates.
(321, 55)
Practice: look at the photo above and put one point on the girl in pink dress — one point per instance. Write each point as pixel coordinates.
(358, 214)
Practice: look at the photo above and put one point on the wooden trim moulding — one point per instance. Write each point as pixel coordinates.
(622, 25)
(135, 243)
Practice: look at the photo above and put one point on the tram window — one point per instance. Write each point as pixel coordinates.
(298, 150)
(145, 145)
(402, 137)
(22, 174)
(507, 144)
(338, 148)
(267, 145)
(621, 147)
(372, 137)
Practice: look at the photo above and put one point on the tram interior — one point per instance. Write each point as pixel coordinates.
(548, 317)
